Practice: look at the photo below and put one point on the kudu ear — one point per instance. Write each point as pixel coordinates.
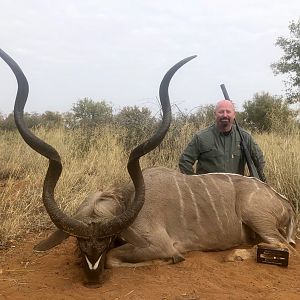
(56, 238)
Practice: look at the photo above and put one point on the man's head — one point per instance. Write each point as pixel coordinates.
(224, 114)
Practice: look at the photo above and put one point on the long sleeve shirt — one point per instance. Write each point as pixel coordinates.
(215, 151)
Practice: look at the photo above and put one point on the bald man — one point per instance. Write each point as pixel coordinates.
(217, 148)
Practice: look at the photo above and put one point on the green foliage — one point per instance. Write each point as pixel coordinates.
(88, 113)
(32, 120)
(266, 113)
(51, 119)
(289, 64)
(137, 122)
(204, 115)
(8, 123)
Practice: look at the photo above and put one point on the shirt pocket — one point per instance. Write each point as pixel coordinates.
(237, 153)
(208, 153)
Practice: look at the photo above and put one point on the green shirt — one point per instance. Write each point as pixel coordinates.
(215, 151)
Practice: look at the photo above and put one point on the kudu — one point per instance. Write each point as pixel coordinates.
(161, 213)
(95, 232)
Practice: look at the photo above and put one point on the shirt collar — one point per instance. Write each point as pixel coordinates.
(224, 134)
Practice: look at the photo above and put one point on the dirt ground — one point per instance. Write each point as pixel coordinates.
(203, 275)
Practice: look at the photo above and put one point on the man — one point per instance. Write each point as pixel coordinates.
(217, 148)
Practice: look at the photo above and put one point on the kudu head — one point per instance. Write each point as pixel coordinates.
(94, 238)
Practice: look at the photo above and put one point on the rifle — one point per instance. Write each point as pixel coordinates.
(252, 169)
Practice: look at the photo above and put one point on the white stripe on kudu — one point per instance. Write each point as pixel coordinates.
(212, 203)
(181, 202)
(194, 202)
(221, 198)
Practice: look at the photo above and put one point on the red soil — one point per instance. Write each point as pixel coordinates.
(203, 275)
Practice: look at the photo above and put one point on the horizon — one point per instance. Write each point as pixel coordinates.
(113, 51)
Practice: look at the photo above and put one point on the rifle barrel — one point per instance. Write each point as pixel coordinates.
(223, 88)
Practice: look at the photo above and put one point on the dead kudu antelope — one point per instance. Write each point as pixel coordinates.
(161, 213)
(95, 232)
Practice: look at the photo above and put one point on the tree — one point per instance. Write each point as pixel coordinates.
(138, 122)
(90, 113)
(203, 116)
(51, 119)
(289, 64)
(8, 123)
(264, 112)
(32, 120)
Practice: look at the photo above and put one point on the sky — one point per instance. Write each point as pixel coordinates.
(119, 50)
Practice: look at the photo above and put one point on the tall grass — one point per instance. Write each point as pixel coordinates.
(282, 163)
(95, 160)
(85, 170)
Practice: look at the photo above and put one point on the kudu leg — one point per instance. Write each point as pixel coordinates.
(266, 228)
(158, 252)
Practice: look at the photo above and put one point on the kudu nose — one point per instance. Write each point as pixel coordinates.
(92, 285)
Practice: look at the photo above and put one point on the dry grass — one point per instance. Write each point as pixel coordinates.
(282, 163)
(22, 172)
(95, 160)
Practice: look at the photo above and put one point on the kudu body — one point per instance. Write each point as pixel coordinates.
(182, 213)
(162, 213)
